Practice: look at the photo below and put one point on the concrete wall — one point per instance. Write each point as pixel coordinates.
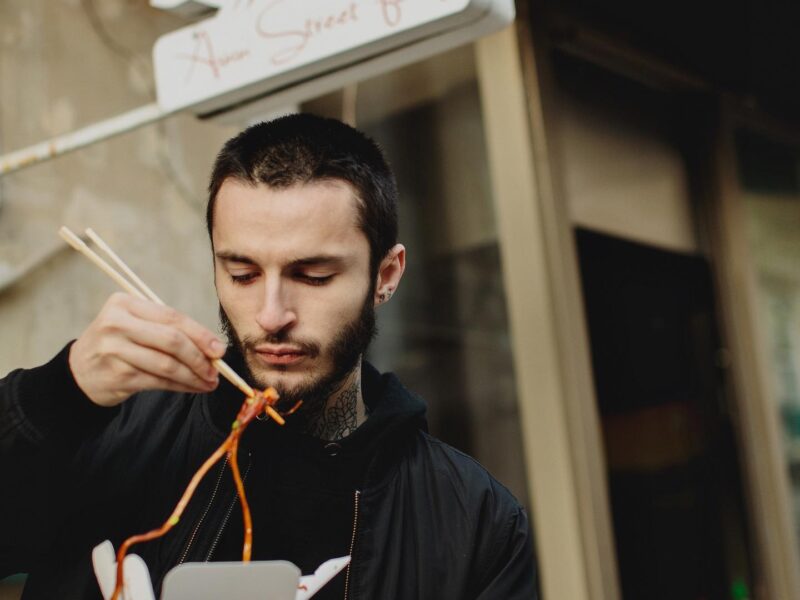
(63, 65)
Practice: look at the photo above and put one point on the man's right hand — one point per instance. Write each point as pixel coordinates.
(136, 345)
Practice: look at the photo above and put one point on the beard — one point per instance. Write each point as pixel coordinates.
(345, 352)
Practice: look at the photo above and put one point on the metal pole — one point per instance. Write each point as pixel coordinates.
(32, 155)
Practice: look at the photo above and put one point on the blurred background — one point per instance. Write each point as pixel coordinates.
(601, 205)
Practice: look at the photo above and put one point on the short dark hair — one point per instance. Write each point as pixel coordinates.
(303, 148)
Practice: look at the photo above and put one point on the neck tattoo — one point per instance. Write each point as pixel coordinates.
(343, 412)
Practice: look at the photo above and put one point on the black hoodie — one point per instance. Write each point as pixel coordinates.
(431, 523)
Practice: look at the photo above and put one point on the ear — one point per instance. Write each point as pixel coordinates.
(390, 271)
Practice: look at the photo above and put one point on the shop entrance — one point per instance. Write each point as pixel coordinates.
(671, 457)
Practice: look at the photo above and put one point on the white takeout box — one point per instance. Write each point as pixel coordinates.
(265, 580)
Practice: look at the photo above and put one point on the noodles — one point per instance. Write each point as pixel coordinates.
(250, 409)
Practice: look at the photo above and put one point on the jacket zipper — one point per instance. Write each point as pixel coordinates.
(352, 544)
(227, 515)
(204, 515)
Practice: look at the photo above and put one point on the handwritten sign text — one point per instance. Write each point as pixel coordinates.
(252, 44)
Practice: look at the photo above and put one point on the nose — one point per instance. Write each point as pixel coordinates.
(275, 314)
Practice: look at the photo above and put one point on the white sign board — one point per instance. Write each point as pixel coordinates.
(253, 48)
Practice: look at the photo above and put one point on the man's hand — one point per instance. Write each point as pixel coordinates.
(136, 345)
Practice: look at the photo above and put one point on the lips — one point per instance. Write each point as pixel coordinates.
(280, 355)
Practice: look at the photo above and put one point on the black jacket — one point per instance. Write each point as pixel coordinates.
(432, 522)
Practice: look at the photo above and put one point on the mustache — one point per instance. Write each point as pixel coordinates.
(249, 343)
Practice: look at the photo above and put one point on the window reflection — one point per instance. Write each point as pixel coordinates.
(446, 332)
(770, 175)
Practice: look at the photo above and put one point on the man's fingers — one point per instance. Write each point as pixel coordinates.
(204, 339)
(145, 381)
(172, 343)
(135, 344)
(145, 365)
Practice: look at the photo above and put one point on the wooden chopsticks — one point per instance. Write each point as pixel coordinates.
(139, 289)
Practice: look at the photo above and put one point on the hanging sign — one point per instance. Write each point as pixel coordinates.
(252, 48)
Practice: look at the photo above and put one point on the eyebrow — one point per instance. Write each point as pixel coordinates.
(233, 257)
(307, 261)
(316, 261)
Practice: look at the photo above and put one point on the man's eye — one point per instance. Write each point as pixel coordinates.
(313, 279)
(243, 278)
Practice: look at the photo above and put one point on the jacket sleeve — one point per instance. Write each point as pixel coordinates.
(44, 416)
(512, 574)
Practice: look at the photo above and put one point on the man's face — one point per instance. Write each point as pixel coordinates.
(292, 276)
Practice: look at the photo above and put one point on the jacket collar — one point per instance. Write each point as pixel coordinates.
(395, 414)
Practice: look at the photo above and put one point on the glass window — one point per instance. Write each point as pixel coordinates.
(770, 178)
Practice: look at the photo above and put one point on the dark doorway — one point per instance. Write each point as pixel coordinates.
(675, 491)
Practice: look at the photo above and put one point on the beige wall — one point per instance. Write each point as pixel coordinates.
(623, 179)
(64, 66)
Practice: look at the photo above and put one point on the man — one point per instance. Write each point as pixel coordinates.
(100, 442)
